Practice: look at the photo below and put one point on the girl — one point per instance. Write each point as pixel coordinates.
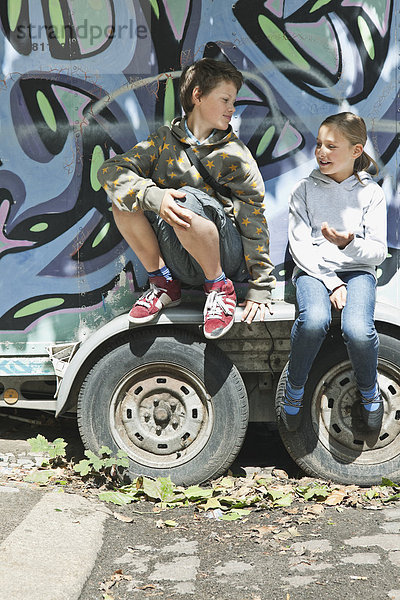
(337, 237)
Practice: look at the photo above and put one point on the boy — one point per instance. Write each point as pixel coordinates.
(195, 234)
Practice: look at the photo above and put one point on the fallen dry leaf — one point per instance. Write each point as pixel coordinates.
(263, 530)
(315, 509)
(244, 490)
(148, 586)
(292, 510)
(116, 577)
(335, 498)
(123, 518)
(280, 473)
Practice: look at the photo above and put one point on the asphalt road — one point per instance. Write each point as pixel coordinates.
(64, 546)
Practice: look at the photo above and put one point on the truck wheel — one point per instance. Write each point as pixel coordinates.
(175, 404)
(332, 441)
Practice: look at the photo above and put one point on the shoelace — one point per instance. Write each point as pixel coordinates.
(215, 304)
(377, 399)
(148, 297)
(290, 401)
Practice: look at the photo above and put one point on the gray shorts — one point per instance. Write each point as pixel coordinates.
(181, 264)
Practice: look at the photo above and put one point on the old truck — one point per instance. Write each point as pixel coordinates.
(83, 81)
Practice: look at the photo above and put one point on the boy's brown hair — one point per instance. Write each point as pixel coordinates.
(206, 74)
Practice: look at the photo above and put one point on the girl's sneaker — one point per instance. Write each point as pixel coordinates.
(162, 293)
(219, 309)
(372, 411)
(291, 411)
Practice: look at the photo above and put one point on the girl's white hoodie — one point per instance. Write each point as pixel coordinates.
(349, 206)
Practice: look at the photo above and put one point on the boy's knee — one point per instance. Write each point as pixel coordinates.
(199, 220)
(199, 225)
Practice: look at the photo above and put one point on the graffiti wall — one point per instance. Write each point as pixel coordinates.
(82, 81)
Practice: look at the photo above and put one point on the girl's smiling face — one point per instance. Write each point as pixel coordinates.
(334, 153)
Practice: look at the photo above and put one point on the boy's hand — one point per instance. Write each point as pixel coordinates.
(338, 297)
(339, 238)
(172, 213)
(251, 308)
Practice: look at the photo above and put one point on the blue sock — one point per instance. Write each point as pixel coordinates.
(163, 272)
(222, 277)
(292, 394)
(369, 396)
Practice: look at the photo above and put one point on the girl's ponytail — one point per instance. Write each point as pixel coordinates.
(363, 162)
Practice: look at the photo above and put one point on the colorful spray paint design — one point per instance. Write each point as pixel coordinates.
(82, 81)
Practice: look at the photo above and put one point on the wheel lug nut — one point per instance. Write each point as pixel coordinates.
(174, 423)
(147, 416)
(158, 430)
(156, 402)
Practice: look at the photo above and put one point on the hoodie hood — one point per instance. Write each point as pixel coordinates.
(348, 183)
(218, 138)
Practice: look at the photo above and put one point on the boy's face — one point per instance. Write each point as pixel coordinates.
(215, 109)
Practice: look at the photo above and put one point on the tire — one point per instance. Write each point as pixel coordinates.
(332, 441)
(175, 404)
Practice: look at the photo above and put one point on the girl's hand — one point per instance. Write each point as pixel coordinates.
(338, 297)
(172, 213)
(251, 308)
(339, 238)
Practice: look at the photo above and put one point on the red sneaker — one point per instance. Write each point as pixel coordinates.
(219, 309)
(162, 293)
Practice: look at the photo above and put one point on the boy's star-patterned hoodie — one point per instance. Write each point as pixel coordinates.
(138, 178)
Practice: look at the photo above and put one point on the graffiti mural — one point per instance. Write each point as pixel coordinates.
(83, 81)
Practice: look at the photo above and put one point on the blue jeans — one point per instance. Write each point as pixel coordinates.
(357, 324)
